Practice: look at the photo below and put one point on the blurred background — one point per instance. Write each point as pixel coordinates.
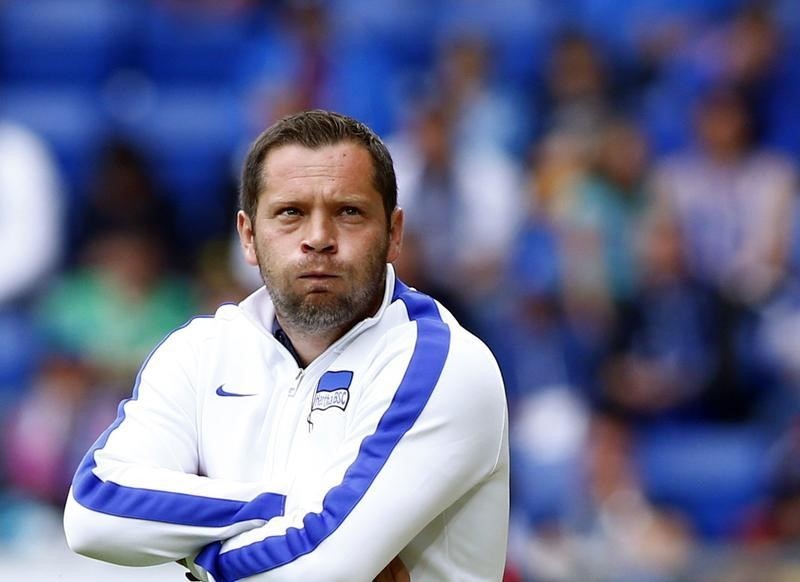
(605, 191)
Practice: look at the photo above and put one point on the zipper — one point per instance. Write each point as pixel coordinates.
(297, 381)
(317, 362)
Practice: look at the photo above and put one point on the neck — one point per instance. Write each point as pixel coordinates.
(308, 345)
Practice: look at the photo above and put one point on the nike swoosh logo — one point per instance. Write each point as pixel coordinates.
(222, 392)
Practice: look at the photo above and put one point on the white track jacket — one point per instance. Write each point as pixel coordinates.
(232, 458)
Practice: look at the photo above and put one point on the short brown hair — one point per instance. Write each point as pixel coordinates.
(314, 129)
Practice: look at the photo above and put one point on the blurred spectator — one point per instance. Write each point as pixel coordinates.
(600, 224)
(99, 319)
(577, 93)
(750, 52)
(751, 58)
(625, 536)
(733, 205)
(123, 197)
(536, 344)
(31, 221)
(461, 201)
(542, 337)
(311, 27)
(561, 164)
(46, 433)
(89, 310)
(732, 201)
(548, 435)
(31, 240)
(483, 110)
(287, 67)
(663, 355)
(125, 268)
(615, 533)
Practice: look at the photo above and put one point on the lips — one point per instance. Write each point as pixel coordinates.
(318, 275)
(317, 281)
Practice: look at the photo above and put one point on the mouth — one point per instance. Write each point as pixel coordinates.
(318, 281)
(317, 276)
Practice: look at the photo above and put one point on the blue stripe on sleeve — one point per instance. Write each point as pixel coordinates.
(163, 506)
(424, 368)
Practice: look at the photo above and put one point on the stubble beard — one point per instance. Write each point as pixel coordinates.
(316, 313)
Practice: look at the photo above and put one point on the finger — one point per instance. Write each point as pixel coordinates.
(384, 576)
(398, 570)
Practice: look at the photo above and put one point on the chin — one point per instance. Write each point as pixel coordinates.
(322, 299)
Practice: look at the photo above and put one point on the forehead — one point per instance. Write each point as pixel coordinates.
(342, 167)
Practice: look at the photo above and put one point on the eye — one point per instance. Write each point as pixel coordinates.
(350, 211)
(288, 211)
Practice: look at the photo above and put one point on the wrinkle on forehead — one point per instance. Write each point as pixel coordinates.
(344, 165)
(296, 160)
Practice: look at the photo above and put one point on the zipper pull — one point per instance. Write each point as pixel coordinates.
(299, 378)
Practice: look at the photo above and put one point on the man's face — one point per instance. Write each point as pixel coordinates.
(320, 236)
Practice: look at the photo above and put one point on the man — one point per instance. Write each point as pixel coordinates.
(331, 421)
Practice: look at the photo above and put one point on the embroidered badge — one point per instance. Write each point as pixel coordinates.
(332, 391)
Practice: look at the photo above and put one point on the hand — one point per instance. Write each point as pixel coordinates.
(394, 572)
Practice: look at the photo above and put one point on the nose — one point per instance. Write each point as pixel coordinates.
(319, 236)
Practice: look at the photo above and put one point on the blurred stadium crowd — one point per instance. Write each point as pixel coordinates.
(605, 191)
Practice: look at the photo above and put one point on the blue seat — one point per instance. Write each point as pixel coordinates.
(357, 66)
(20, 349)
(713, 474)
(663, 117)
(68, 118)
(74, 41)
(405, 29)
(543, 492)
(547, 463)
(193, 47)
(189, 135)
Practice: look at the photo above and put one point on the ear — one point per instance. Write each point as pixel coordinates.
(395, 234)
(247, 238)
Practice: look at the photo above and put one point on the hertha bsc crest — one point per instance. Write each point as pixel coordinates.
(332, 391)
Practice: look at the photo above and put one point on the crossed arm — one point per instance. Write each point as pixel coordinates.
(136, 499)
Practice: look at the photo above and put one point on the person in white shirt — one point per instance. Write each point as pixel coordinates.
(30, 193)
(332, 423)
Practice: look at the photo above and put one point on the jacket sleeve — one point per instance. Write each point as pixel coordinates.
(136, 498)
(426, 431)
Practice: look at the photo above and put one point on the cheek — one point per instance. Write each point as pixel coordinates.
(268, 244)
(365, 249)
(265, 253)
(278, 257)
